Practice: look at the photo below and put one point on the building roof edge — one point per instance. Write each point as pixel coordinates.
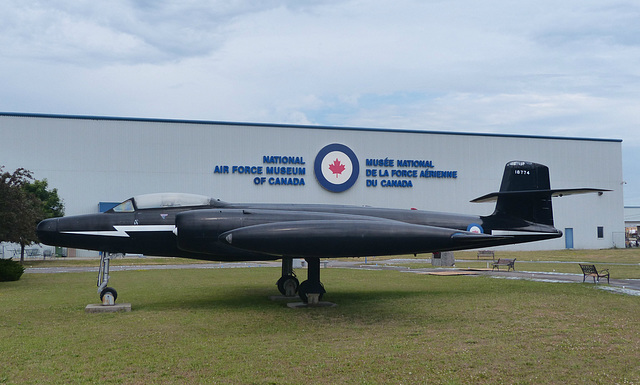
(301, 126)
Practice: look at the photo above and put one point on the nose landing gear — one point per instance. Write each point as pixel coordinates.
(108, 295)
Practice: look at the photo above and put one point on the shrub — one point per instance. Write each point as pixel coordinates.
(10, 270)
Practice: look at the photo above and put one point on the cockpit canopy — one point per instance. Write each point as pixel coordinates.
(164, 200)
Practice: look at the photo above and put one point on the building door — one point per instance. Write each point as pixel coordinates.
(568, 237)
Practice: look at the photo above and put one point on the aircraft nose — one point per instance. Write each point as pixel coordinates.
(47, 231)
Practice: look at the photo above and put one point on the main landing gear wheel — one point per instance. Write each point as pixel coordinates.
(312, 285)
(307, 287)
(288, 285)
(108, 296)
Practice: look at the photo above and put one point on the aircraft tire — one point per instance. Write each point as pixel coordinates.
(305, 287)
(288, 283)
(110, 290)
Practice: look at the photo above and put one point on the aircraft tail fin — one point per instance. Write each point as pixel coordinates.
(525, 194)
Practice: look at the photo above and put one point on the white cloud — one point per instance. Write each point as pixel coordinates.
(545, 68)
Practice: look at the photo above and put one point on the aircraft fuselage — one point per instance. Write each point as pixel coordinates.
(269, 231)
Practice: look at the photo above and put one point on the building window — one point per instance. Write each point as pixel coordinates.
(600, 232)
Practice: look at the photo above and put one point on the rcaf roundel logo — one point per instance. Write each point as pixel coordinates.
(336, 167)
(475, 228)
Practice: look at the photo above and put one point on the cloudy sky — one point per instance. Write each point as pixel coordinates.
(560, 68)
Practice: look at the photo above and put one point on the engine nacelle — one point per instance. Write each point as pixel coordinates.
(197, 231)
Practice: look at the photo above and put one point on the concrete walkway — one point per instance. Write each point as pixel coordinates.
(622, 286)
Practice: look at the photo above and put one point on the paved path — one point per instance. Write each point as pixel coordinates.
(623, 286)
(85, 269)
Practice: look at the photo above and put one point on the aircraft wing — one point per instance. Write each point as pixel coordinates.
(349, 238)
(492, 197)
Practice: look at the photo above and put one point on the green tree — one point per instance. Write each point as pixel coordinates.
(51, 204)
(23, 203)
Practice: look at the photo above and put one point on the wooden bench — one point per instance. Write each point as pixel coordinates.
(486, 254)
(508, 262)
(591, 271)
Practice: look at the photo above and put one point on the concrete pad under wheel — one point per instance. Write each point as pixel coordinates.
(282, 298)
(100, 308)
(298, 305)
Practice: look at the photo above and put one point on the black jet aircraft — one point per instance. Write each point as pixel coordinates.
(199, 227)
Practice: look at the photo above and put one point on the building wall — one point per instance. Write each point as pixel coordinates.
(632, 216)
(632, 224)
(92, 160)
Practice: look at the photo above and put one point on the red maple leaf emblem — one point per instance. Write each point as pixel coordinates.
(336, 167)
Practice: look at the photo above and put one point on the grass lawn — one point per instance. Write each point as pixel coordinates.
(218, 326)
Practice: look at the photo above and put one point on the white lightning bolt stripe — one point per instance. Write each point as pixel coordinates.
(123, 231)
